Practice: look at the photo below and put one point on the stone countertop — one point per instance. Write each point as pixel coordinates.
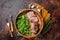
(11, 7)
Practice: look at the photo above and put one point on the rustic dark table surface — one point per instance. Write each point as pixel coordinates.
(11, 7)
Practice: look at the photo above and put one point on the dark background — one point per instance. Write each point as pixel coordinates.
(11, 7)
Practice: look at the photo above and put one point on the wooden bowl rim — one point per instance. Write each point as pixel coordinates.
(20, 11)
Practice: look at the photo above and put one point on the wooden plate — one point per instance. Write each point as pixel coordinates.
(39, 18)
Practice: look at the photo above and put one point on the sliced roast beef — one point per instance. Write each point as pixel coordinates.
(34, 19)
(33, 28)
(30, 14)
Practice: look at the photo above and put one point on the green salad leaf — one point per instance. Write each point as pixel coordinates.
(23, 24)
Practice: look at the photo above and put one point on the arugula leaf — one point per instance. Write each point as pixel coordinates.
(23, 24)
